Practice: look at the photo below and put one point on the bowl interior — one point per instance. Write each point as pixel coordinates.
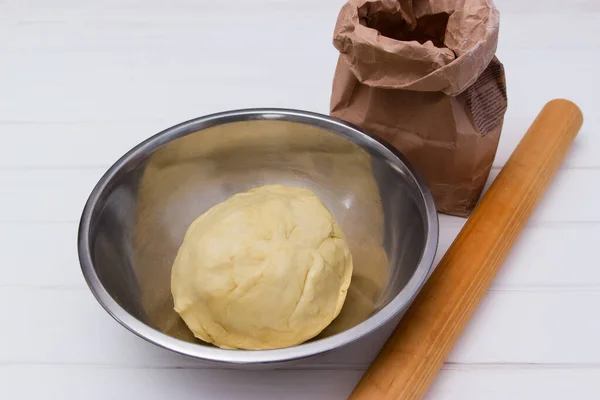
(146, 204)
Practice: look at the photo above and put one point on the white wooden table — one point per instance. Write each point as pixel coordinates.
(82, 81)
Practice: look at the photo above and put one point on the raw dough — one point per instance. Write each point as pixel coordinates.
(265, 269)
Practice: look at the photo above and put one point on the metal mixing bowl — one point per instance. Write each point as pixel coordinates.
(135, 219)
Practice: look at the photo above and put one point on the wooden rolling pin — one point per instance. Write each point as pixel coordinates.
(414, 353)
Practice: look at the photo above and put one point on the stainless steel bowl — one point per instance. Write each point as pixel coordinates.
(135, 219)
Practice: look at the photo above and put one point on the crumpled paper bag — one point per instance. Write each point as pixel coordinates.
(422, 75)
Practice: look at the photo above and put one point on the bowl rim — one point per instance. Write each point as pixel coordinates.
(214, 354)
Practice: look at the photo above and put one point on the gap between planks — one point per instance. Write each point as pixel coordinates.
(449, 366)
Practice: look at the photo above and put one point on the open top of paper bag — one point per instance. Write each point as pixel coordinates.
(421, 45)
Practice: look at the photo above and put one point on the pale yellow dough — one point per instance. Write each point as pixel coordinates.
(265, 269)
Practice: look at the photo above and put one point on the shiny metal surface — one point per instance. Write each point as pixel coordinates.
(137, 215)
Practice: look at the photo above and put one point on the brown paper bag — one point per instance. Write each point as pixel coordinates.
(422, 75)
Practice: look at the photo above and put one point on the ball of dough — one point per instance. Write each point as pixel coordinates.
(265, 269)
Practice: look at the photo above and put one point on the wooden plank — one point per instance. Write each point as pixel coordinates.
(134, 71)
(57, 195)
(53, 264)
(516, 383)
(38, 10)
(463, 383)
(91, 144)
(150, 384)
(545, 256)
(71, 145)
(144, 28)
(45, 195)
(160, 84)
(43, 326)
